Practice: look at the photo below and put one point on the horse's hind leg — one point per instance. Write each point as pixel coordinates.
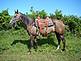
(58, 38)
(63, 41)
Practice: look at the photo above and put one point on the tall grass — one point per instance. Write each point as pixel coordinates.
(14, 47)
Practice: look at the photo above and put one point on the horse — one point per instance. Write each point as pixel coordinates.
(30, 26)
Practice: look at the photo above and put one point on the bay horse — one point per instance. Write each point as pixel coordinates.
(57, 28)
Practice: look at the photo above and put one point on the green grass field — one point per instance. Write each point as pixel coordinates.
(14, 47)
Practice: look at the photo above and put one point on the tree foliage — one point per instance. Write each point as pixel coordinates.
(58, 14)
(4, 20)
(34, 13)
(73, 22)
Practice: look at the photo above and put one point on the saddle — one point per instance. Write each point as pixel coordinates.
(43, 24)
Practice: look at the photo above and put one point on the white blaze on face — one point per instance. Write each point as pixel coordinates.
(10, 21)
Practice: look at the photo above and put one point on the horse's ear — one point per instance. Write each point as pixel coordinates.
(17, 11)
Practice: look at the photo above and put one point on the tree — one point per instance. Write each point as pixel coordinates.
(4, 20)
(58, 14)
(52, 16)
(42, 14)
(34, 14)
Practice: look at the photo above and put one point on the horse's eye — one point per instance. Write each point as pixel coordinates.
(14, 16)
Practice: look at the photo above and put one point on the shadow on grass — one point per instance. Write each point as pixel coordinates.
(25, 42)
(39, 41)
(45, 41)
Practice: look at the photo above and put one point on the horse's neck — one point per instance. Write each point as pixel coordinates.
(26, 20)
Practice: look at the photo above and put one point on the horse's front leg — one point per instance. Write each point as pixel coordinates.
(31, 43)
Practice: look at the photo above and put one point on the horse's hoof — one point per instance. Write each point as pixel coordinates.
(56, 49)
(29, 53)
(63, 49)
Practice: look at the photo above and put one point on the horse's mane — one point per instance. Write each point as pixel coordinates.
(26, 19)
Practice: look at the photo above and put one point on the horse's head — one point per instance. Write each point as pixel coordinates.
(15, 18)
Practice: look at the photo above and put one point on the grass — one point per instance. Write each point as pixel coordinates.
(14, 47)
